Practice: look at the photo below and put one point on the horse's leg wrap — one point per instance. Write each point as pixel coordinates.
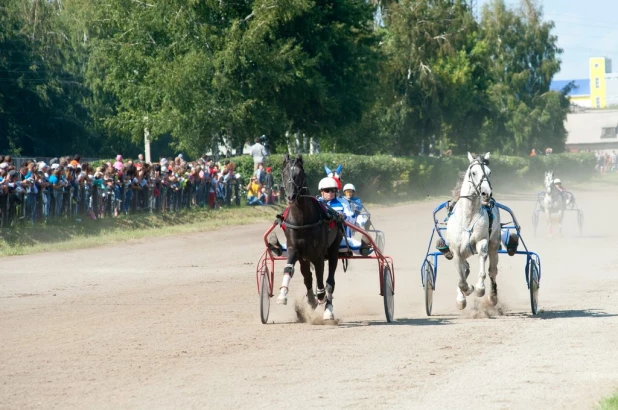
(482, 249)
(289, 270)
(328, 308)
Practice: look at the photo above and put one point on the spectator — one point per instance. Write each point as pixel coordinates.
(258, 152)
(253, 192)
(75, 160)
(533, 152)
(260, 174)
(118, 164)
(268, 185)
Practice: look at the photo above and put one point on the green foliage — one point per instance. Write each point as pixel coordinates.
(381, 178)
(524, 113)
(93, 75)
(609, 403)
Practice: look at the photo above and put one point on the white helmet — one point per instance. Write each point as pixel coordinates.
(349, 187)
(557, 181)
(326, 183)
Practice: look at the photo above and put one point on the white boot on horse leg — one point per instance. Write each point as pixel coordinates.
(328, 312)
(282, 299)
(328, 308)
(461, 300)
(481, 248)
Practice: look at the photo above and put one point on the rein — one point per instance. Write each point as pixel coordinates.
(301, 227)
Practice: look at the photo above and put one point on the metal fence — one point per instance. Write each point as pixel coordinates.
(21, 205)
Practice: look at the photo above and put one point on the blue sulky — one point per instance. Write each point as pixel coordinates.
(429, 268)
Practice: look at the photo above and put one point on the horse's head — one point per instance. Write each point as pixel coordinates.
(294, 180)
(549, 182)
(478, 174)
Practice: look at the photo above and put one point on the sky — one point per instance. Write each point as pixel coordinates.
(585, 28)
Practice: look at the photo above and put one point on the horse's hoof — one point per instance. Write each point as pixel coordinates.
(328, 313)
(448, 255)
(492, 300)
(461, 304)
(480, 292)
(313, 303)
(470, 290)
(282, 300)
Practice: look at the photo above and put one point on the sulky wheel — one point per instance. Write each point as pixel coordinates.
(535, 221)
(533, 285)
(428, 287)
(265, 296)
(380, 240)
(580, 222)
(388, 293)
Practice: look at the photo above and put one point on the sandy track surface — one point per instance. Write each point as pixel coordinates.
(173, 323)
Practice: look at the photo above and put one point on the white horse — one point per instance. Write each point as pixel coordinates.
(553, 202)
(474, 227)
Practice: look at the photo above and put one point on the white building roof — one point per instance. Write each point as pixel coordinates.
(587, 127)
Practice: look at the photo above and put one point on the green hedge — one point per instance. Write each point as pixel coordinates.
(382, 178)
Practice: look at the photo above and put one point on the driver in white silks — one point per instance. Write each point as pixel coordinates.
(349, 190)
(328, 195)
(565, 194)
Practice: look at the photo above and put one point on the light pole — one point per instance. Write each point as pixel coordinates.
(146, 141)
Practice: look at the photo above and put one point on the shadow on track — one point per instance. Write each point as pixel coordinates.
(433, 321)
(566, 314)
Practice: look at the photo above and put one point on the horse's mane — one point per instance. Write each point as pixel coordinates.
(456, 192)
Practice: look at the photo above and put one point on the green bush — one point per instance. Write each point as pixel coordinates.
(380, 178)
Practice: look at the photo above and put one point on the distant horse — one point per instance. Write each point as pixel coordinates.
(474, 227)
(311, 238)
(553, 202)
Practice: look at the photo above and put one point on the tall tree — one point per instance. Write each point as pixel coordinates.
(41, 98)
(435, 76)
(525, 114)
(303, 65)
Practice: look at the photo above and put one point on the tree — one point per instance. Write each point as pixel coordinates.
(434, 78)
(525, 114)
(301, 65)
(41, 99)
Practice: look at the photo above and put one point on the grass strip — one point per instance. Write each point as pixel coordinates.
(68, 234)
(609, 403)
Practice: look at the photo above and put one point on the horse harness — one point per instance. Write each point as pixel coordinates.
(477, 187)
(298, 188)
(487, 209)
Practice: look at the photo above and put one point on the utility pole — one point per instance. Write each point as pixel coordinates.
(146, 141)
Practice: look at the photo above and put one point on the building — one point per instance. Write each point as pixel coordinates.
(592, 130)
(600, 90)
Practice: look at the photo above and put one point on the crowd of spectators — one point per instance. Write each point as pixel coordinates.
(68, 187)
(606, 162)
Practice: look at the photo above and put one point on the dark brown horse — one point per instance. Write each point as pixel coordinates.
(311, 238)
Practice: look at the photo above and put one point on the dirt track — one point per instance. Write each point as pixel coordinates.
(173, 323)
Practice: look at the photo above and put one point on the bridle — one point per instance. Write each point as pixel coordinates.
(291, 165)
(477, 187)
